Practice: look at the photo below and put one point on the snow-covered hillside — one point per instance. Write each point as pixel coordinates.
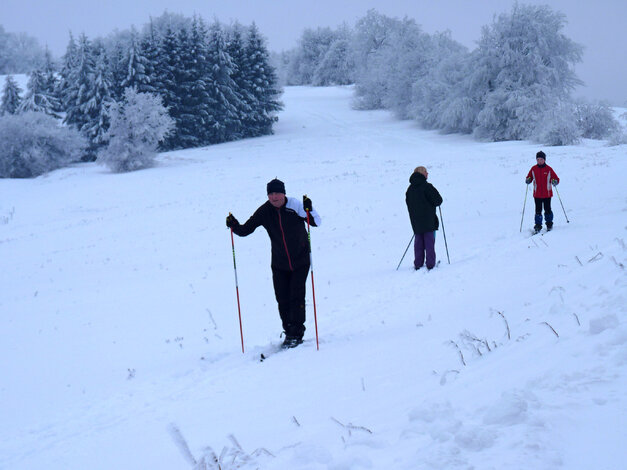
(120, 333)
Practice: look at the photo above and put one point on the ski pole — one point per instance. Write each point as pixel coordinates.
(313, 287)
(239, 311)
(558, 196)
(399, 263)
(444, 233)
(524, 204)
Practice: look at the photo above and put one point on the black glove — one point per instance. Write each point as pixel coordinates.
(529, 180)
(307, 204)
(231, 221)
(554, 182)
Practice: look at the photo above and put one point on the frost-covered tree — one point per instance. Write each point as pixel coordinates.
(527, 63)
(558, 126)
(34, 143)
(19, 53)
(408, 62)
(595, 120)
(11, 99)
(312, 47)
(442, 100)
(336, 66)
(372, 43)
(138, 124)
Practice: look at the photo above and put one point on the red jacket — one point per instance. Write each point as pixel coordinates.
(542, 176)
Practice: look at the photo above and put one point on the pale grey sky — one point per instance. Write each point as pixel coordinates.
(599, 25)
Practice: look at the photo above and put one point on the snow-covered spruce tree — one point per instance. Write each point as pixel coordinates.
(138, 124)
(69, 63)
(265, 90)
(182, 74)
(34, 143)
(95, 107)
(134, 65)
(197, 103)
(40, 96)
(527, 63)
(116, 52)
(149, 45)
(10, 102)
(168, 70)
(595, 120)
(242, 77)
(78, 82)
(225, 121)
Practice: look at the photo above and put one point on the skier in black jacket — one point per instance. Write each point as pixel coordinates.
(422, 198)
(284, 220)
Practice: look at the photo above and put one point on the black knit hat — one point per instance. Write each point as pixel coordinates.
(276, 186)
(541, 154)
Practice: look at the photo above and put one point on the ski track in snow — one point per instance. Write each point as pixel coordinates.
(119, 320)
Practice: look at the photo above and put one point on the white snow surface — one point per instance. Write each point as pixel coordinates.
(119, 321)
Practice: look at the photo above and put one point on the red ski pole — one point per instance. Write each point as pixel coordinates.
(313, 287)
(239, 311)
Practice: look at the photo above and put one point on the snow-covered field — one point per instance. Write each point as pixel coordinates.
(120, 336)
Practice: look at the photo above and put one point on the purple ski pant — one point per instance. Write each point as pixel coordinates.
(424, 243)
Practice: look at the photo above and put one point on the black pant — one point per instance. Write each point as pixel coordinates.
(543, 201)
(289, 289)
(548, 213)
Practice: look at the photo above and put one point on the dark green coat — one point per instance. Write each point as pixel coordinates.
(422, 199)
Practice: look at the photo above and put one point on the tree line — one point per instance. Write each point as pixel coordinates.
(215, 81)
(517, 84)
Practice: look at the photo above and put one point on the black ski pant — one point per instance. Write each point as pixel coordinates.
(289, 289)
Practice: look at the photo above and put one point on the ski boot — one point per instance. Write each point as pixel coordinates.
(291, 342)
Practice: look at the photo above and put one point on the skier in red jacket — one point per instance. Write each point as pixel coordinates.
(543, 176)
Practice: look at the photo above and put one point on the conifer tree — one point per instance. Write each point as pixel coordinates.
(167, 70)
(68, 64)
(225, 121)
(188, 75)
(264, 84)
(201, 102)
(134, 65)
(149, 46)
(241, 76)
(10, 96)
(95, 108)
(79, 81)
(51, 82)
(38, 97)
(117, 69)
